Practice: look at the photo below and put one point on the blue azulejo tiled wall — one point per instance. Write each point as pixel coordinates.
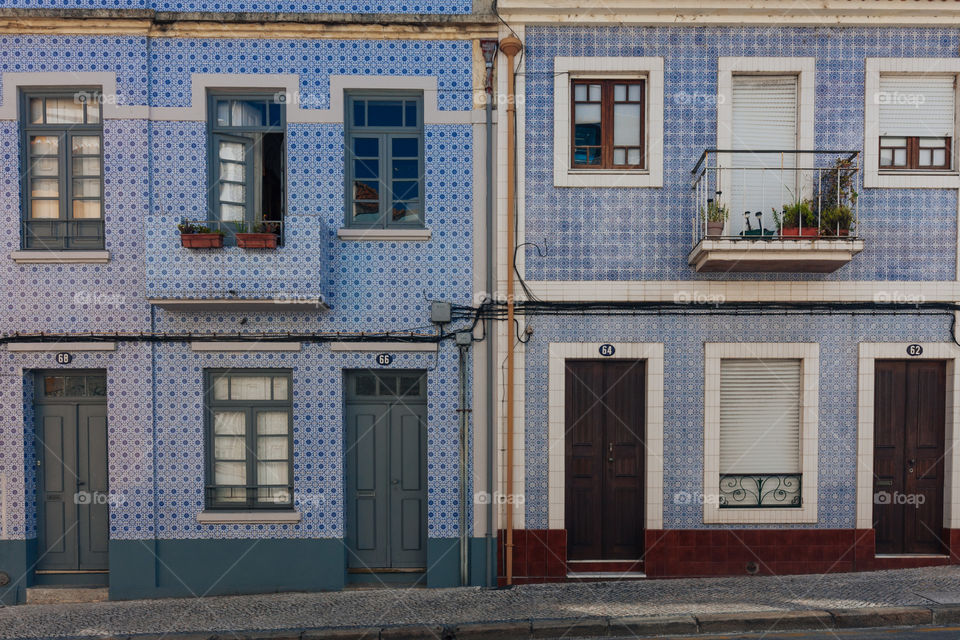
(317, 439)
(259, 6)
(683, 338)
(645, 234)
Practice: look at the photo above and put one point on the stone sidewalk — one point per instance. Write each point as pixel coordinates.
(570, 610)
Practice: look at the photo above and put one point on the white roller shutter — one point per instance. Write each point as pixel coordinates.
(764, 112)
(760, 416)
(917, 105)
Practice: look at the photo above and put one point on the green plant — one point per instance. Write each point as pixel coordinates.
(241, 227)
(838, 197)
(715, 212)
(796, 214)
(836, 219)
(186, 227)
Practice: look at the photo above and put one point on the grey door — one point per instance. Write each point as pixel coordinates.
(71, 430)
(386, 453)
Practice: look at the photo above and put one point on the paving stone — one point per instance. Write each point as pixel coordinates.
(259, 635)
(570, 628)
(493, 631)
(639, 626)
(881, 617)
(764, 621)
(357, 633)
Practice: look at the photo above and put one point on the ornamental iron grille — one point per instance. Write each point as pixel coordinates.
(760, 490)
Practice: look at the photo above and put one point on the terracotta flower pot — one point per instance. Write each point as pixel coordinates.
(201, 240)
(257, 240)
(715, 228)
(796, 232)
(835, 233)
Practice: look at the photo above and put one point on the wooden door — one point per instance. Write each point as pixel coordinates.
(909, 419)
(604, 459)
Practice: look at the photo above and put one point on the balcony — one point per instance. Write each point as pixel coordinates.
(775, 211)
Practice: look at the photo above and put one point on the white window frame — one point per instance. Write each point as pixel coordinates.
(899, 179)
(566, 69)
(809, 355)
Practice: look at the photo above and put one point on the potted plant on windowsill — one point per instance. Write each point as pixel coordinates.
(198, 236)
(797, 220)
(264, 236)
(716, 215)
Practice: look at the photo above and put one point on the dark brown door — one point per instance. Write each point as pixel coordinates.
(909, 405)
(604, 459)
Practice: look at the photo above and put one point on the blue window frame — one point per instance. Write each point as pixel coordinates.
(62, 169)
(384, 160)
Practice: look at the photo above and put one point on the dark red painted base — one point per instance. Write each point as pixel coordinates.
(540, 555)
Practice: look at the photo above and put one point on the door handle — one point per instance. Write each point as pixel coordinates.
(911, 463)
(395, 481)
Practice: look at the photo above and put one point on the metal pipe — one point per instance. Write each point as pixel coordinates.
(489, 48)
(510, 46)
(465, 408)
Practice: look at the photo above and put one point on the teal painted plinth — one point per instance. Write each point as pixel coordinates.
(15, 559)
(170, 568)
(443, 562)
(478, 563)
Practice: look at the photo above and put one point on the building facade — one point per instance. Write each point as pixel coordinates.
(739, 274)
(227, 225)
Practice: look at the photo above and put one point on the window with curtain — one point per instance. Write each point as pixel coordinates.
(62, 170)
(384, 160)
(608, 124)
(248, 161)
(249, 440)
(760, 402)
(917, 121)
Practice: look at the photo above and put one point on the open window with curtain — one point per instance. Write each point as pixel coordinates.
(248, 162)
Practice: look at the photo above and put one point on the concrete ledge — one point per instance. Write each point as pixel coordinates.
(60, 257)
(26, 347)
(764, 621)
(384, 235)
(881, 617)
(642, 626)
(412, 632)
(571, 628)
(493, 630)
(354, 633)
(946, 614)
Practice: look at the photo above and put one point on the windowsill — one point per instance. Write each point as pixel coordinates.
(609, 172)
(60, 257)
(382, 235)
(806, 514)
(248, 517)
(612, 178)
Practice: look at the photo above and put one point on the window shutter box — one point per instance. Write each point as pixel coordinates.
(760, 416)
(917, 105)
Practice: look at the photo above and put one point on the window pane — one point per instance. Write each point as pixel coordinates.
(86, 188)
(36, 110)
(366, 190)
(926, 157)
(366, 385)
(86, 209)
(939, 157)
(44, 145)
(366, 211)
(276, 114)
(64, 111)
(384, 113)
(620, 92)
(250, 388)
(633, 156)
(246, 113)
(96, 386)
(230, 472)
(229, 423)
(413, 119)
(933, 142)
(634, 93)
(221, 388)
(272, 423)
(232, 192)
(886, 157)
(272, 473)
(406, 148)
(232, 212)
(44, 209)
(410, 385)
(93, 111)
(273, 495)
(406, 190)
(366, 169)
(230, 448)
(626, 125)
(53, 386)
(86, 145)
(406, 169)
(366, 147)
(223, 113)
(280, 388)
(42, 167)
(619, 156)
(360, 113)
(232, 151)
(893, 142)
(586, 156)
(405, 212)
(237, 494)
(595, 93)
(272, 447)
(232, 171)
(83, 166)
(44, 188)
(76, 386)
(900, 157)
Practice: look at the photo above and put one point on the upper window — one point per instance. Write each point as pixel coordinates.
(917, 115)
(62, 170)
(249, 441)
(248, 162)
(760, 433)
(384, 160)
(608, 124)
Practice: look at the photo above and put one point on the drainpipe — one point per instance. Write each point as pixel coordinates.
(489, 49)
(510, 46)
(465, 408)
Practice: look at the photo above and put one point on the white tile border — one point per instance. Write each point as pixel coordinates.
(285, 85)
(566, 68)
(384, 235)
(248, 346)
(652, 353)
(27, 347)
(248, 517)
(809, 354)
(872, 177)
(869, 353)
(383, 347)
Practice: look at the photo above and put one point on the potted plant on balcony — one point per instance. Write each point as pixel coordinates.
(715, 215)
(797, 220)
(198, 236)
(264, 236)
(839, 198)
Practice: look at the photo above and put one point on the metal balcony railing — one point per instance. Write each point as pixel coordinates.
(776, 195)
(56, 235)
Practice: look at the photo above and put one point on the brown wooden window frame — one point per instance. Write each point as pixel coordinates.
(913, 154)
(607, 103)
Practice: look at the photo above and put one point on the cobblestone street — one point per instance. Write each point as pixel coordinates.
(383, 607)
